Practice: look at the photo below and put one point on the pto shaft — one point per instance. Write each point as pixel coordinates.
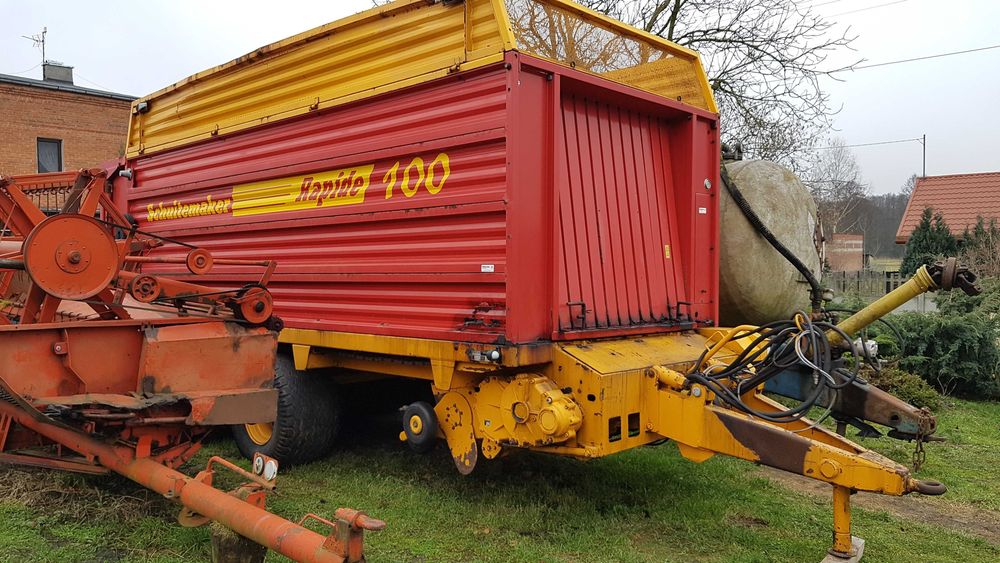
(920, 283)
(942, 275)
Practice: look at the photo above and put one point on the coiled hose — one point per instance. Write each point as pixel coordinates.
(778, 346)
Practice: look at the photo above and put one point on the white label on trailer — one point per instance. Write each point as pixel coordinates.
(487, 268)
(702, 211)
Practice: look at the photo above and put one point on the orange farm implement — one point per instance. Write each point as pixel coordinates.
(104, 368)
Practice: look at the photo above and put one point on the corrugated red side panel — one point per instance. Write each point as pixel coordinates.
(616, 226)
(412, 266)
(515, 203)
(637, 224)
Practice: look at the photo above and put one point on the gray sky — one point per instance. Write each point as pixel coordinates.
(954, 100)
(139, 47)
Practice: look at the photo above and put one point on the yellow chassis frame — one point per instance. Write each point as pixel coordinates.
(638, 380)
(687, 416)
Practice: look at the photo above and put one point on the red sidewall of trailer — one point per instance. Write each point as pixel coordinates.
(520, 202)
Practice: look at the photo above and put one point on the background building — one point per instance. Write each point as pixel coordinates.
(845, 252)
(51, 125)
(960, 199)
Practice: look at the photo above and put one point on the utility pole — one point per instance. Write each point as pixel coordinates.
(923, 142)
(39, 41)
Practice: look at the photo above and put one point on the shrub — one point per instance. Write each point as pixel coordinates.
(954, 353)
(887, 346)
(905, 385)
(958, 303)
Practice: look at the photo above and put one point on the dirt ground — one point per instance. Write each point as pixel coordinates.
(981, 523)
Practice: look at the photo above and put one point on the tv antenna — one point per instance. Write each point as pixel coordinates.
(39, 41)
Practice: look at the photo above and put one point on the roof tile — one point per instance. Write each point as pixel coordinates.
(960, 198)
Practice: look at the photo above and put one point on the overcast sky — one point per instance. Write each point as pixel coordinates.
(139, 47)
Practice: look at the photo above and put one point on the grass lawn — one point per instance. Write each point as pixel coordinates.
(969, 462)
(645, 505)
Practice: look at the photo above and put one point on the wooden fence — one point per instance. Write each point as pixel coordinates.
(864, 284)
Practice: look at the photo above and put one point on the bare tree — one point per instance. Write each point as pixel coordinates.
(835, 180)
(908, 185)
(984, 258)
(980, 248)
(764, 59)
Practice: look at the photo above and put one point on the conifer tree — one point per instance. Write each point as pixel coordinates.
(930, 240)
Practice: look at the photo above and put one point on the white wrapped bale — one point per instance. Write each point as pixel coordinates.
(757, 284)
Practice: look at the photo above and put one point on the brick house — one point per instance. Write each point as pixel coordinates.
(845, 252)
(960, 198)
(52, 125)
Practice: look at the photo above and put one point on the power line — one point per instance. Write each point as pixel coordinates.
(939, 55)
(85, 79)
(27, 70)
(814, 5)
(918, 139)
(869, 8)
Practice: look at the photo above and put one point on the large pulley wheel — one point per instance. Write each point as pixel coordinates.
(254, 305)
(71, 257)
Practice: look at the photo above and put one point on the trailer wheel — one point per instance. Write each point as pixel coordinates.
(421, 427)
(308, 418)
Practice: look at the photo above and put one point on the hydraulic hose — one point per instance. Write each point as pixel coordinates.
(816, 290)
(800, 343)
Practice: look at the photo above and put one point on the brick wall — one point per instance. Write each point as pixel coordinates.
(92, 128)
(846, 252)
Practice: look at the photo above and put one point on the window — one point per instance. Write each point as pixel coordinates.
(50, 155)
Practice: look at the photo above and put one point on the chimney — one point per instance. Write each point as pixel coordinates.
(53, 71)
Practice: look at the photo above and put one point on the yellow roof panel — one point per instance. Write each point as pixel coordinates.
(397, 45)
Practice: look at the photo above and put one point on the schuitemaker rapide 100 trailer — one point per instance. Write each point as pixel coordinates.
(516, 201)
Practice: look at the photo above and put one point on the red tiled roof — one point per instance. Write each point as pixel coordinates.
(960, 198)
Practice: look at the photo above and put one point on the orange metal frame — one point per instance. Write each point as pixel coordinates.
(98, 375)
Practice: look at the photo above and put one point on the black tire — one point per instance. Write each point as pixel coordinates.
(424, 440)
(308, 417)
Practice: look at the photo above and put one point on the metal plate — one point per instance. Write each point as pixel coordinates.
(455, 420)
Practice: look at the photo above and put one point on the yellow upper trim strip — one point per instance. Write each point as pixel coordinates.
(383, 49)
(386, 48)
(366, 16)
